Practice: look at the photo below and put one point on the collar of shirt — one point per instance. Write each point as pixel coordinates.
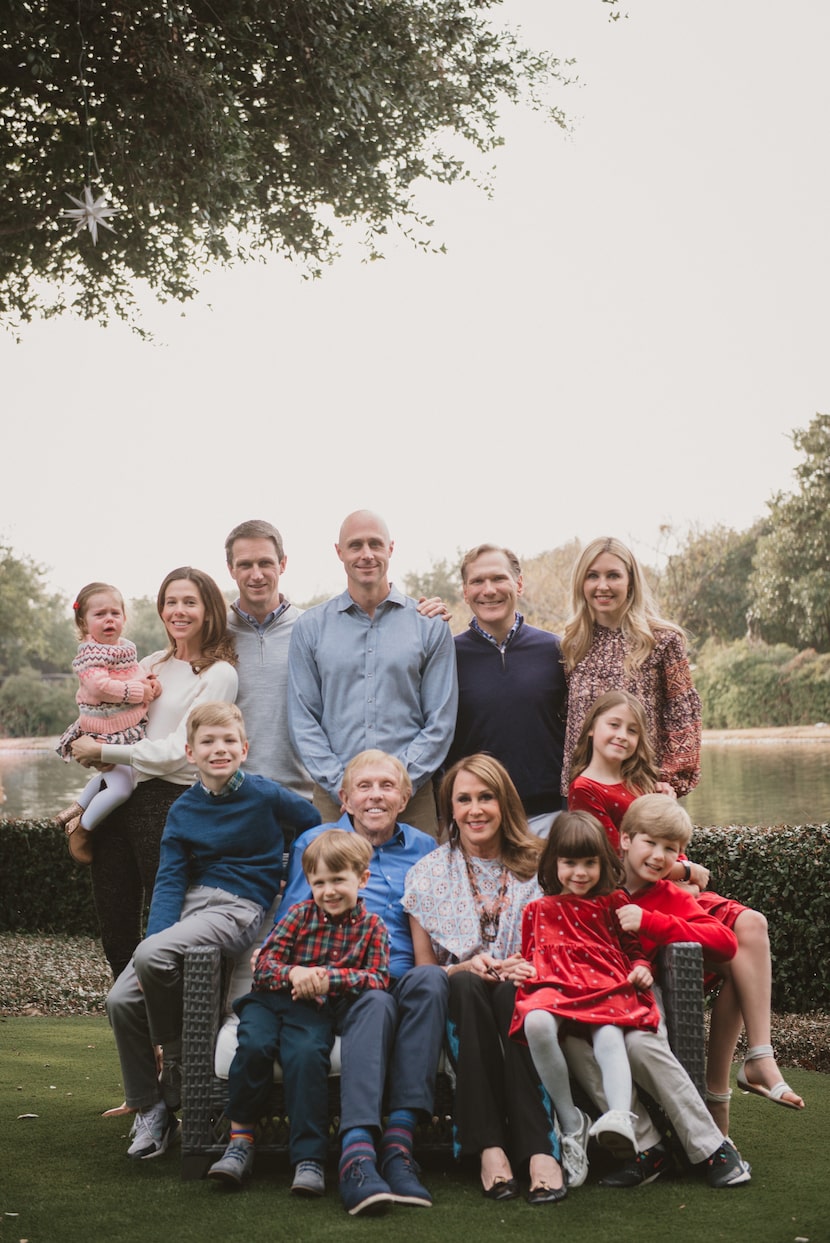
(491, 639)
(229, 787)
(345, 601)
(261, 626)
(353, 916)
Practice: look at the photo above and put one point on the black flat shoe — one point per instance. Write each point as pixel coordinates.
(502, 1189)
(546, 1195)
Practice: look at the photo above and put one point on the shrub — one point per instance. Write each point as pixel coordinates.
(41, 888)
(748, 685)
(780, 872)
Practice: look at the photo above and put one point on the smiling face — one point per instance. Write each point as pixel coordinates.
(646, 859)
(335, 890)
(365, 548)
(492, 592)
(615, 735)
(104, 618)
(606, 589)
(476, 812)
(578, 876)
(256, 569)
(183, 613)
(374, 800)
(217, 751)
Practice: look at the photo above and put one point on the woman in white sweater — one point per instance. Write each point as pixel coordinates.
(197, 666)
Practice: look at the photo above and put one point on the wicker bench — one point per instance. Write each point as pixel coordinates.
(205, 1122)
(205, 1094)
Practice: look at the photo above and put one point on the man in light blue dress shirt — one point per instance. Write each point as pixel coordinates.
(368, 670)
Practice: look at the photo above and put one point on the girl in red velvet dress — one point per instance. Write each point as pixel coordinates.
(613, 762)
(589, 974)
(612, 766)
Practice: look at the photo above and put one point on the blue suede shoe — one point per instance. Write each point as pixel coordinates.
(362, 1189)
(401, 1173)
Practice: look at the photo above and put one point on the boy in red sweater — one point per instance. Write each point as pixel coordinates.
(653, 832)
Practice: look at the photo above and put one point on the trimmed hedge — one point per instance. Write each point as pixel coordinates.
(781, 872)
(41, 888)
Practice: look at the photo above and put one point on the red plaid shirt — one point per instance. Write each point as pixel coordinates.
(354, 950)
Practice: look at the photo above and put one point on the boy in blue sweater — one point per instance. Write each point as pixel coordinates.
(219, 871)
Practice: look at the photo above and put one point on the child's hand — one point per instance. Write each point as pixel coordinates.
(517, 969)
(663, 787)
(153, 688)
(630, 917)
(308, 982)
(641, 977)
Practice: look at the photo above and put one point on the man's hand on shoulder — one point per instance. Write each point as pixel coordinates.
(433, 606)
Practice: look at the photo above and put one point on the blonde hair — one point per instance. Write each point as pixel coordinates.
(660, 817)
(216, 712)
(339, 851)
(365, 759)
(579, 835)
(639, 771)
(640, 619)
(520, 849)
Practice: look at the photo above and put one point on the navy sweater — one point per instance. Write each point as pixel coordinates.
(513, 705)
(233, 842)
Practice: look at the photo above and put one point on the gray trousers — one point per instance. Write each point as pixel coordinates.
(144, 1005)
(655, 1068)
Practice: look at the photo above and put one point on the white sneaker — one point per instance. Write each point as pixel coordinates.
(575, 1152)
(152, 1132)
(615, 1131)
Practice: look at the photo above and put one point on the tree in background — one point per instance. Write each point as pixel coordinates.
(224, 132)
(144, 626)
(790, 586)
(704, 586)
(35, 626)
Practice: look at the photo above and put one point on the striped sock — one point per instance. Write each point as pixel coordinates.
(357, 1142)
(242, 1135)
(399, 1134)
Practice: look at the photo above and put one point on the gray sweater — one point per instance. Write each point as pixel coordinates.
(262, 698)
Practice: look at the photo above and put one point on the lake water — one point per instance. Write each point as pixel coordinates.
(742, 783)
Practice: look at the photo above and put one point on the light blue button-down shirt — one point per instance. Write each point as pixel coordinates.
(387, 881)
(357, 682)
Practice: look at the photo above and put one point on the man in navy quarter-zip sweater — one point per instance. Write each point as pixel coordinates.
(512, 693)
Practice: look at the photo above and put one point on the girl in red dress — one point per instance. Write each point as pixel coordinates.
(613, 762)
(613, 765)
(588, 974)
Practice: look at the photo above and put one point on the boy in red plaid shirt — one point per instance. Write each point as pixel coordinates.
(314, 963)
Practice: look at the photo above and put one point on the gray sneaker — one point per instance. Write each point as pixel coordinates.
(235, 1165)
(309, 1179)
(574, 1148)
(152, 1133)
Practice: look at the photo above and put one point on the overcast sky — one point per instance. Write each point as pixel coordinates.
(621, 338)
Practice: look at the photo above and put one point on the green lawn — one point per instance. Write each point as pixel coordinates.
(64, 1177)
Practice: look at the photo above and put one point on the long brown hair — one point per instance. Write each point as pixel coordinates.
(639, 771)
(579, 835)
(640, 620)
(216, 641)
(520, 850)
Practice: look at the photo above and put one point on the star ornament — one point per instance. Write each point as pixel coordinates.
(90, 213)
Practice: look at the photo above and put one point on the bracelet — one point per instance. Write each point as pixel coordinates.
(687, 871)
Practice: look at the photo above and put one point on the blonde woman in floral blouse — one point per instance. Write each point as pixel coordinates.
(465, 902)
(616, 640)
